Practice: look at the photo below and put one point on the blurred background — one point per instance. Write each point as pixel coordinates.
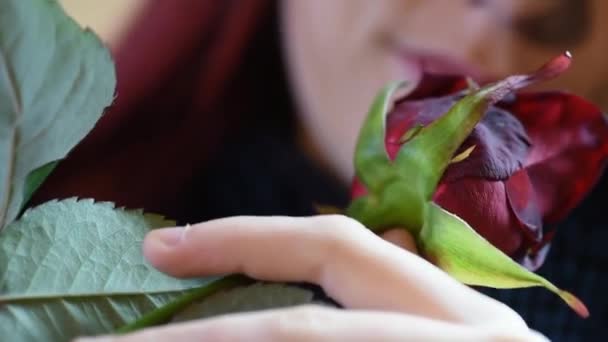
(108, 18)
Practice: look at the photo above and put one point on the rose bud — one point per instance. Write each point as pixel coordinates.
(503, 163)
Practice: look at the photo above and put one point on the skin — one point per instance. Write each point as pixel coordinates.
(336, 66)
(356, 46)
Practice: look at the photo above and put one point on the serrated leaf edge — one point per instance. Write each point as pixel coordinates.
(109, 204)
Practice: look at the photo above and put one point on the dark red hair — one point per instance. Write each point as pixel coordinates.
(187, 71)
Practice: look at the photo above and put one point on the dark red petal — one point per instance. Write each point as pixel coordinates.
(408, 114)
(357, 189)
(483, 205)
(501, 148)
(533, 258)
(522, 199)
(569, 148)
(437, 86)
(500, 139)
(562, 181)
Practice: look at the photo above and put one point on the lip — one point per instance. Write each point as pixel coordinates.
(437, 68)
(448, 66)
(435, 73)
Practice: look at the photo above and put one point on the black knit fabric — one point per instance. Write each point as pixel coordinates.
(268, 176)
(263, 176)
(577, 262)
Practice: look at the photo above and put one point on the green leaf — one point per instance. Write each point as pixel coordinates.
(34, 179)
(166, 312)
(73, 267)
(372, 163)
(455, 247)
(259, 296)
(55, 81)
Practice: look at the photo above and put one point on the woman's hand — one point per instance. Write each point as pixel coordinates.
(390, 293)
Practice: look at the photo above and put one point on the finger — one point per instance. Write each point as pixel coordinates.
(312, 323)
(354, 266)
(401, 238)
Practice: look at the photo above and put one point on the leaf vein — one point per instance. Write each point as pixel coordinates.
(13, 299)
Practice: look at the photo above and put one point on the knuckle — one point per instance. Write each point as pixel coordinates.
(304, 322)
(340, 226)
(337, 235)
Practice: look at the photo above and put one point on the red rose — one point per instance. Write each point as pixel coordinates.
(535, 156)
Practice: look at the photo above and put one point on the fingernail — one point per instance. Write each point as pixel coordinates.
(168, 236)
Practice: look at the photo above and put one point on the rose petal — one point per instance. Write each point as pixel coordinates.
(501, 148)
(533, 261)
(483, 205)
(562, 181)
(357, 189)
(408, 114)
(569, 148)
(500, 139)
(437, 86)
(522, 199)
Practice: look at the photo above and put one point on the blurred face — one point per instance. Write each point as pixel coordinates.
(340, 52)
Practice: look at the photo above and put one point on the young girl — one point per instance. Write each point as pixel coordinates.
(252, 107)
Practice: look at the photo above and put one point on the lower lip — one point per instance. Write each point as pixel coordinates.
(448, 67)
(440, 65)
(410, 70)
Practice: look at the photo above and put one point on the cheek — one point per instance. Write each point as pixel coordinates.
(337, 62)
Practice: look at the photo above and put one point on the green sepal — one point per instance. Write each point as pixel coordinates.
(410, 133)
(463, 155)
(452, 245)
(424, 158)
(387, 210)
(372, 163)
